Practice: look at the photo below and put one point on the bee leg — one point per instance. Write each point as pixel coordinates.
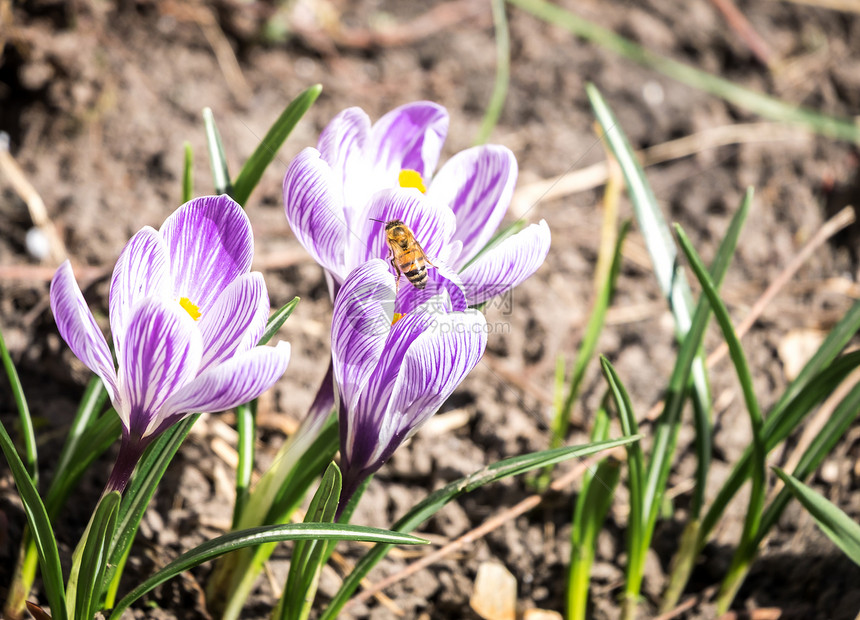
(397, 277)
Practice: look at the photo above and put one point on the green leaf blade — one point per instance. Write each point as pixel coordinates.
(40, 528)
(309, 555)
(89, 571)
(437, 500)
(838, 526)
(267, 150)
(217, 158)
(235, 541)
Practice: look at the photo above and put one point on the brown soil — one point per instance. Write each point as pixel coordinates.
(98, 99)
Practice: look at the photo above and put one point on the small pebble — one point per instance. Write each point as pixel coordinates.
(37, 244)
(495, 594)
(652, 93)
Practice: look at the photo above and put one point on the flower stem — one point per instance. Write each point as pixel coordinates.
(130, 451)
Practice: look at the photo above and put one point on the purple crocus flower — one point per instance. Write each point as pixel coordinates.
(185, 315)
(395, 363)
(330, 194)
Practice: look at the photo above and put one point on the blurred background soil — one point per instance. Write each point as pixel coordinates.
(97, 99)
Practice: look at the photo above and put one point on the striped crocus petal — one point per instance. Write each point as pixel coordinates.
(161, 352)
(142, 271)
(314, 212)
(444, 292)
(432, 224)
(342, 145)
(363, 418)
(240, 379)
(236, 321)
(430, 356)
(210, 243)
(506, 265)
(79, 329)
(477, 184)
(363, 312)
(409, 137)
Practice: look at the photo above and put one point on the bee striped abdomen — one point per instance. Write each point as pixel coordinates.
(415, 272)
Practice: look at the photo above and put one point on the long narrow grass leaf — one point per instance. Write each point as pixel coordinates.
(234, 541)
(788, 413)
(188, 173)
(137, 496)
(838, 526)
(753, 517)
(638, 539)
(277, 320)
(217, 159)
(675, 288)
(438, 499)
(91, 405)
(309, 555)
(234, 576)
(93, 559)
(503, 72)
(267, 150)
(588, 516)
(40, 528)
(758, 103)
(93, 442)
(28, 437)
(825, 440)
(246, 430)
(682, 563)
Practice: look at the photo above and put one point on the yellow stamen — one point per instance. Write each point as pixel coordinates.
(189, 307)
(397, 317)
(411, 178)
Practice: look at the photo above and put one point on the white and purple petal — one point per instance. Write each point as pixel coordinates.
(409, 137)
(431, 223)
(506, 265)
(432, 355)
(434, 366)
(360, 444)
(141, 271)
(361, 321)
(477, 184)
(342, 145)
(314, 212)
(160, 353)
(210, 244)
(443, 291)
(78, 328)
(239, 380)
(236, 321)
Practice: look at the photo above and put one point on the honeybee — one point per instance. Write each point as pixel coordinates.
(406, 255)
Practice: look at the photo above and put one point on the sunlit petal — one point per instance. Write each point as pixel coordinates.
(236, 321)
(141, 271)
(161, 352)
(78, 328)
(506, 265)
(361, 320)
(314, 212)
(239, 380)
(410, 137)
(477, 184)
(342, 145)
(210, 243)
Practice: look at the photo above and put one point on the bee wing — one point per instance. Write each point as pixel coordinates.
(423, 253)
